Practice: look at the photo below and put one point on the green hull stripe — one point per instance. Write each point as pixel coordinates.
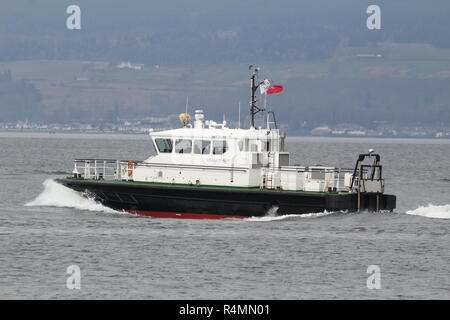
(199, 186)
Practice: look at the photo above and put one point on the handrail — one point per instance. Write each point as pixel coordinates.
(101, 169)
(359, 167)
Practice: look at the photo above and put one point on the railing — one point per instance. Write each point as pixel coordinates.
(103, 169)
(318, 178)
(334, 178)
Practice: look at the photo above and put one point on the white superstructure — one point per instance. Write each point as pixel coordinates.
(210, 153)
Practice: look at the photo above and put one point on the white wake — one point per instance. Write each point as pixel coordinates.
(57, 195)
(288, 216)
(432, 211)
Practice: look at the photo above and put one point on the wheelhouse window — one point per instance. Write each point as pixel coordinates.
(183, 146)
(202, 147)
(164, 145)
(220, 147)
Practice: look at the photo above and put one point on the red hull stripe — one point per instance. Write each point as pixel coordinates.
(179, 215)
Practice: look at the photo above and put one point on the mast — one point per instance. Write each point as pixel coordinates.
(254, 109)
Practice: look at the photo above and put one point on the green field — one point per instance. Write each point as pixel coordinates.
(418, 61)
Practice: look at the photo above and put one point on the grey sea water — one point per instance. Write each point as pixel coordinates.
(44, 228)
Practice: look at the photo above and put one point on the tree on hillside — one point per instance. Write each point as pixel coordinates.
(19, 100)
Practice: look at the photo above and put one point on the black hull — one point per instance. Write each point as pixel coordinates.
(214, 202)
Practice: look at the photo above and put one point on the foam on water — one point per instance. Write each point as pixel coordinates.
(57, 195)
(288, 216)
(432, 211)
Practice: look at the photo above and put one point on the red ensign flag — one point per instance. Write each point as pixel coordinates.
(274, 89)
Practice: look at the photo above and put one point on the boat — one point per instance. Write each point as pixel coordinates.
(207, 170)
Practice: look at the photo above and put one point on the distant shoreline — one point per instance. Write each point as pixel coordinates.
(38, 133)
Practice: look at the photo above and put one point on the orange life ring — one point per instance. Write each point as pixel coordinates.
(130, 168)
